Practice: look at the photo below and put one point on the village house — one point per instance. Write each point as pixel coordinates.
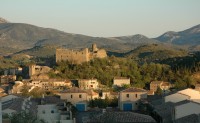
(13, 71)
(109, 94)
(5, 79)
(129, 99)
(175, 107)
(88, 83)
(119, 81)
(36, 70)
(162, 85)
(51, 84)
(186, 94)
(53, 110)
(185, 108)
(76, 96)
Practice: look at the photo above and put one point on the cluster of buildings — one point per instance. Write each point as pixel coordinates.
(170, 107)
(178, 107)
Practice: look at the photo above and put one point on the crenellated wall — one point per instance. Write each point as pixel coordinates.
(78, 57)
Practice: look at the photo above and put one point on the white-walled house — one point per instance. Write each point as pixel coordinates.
(51, 114)
(77, 97)
(129, 98)
(185, 108)
(186, 94)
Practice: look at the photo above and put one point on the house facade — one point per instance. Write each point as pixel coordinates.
(129, 98)
(51, 114)
(88, 83)
(119, 81)
(185, 108)
(77, 97)
(162, 85)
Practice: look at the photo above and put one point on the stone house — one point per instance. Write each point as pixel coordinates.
(51, 113)
(36, 70)
(88, 84)
(109, 94)
(129, 99)
(186, 94)
(162, 85)
(76, 96)
(51, 84)
(5, 79)
(119, 81)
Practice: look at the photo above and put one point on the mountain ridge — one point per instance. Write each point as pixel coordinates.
(21, 36)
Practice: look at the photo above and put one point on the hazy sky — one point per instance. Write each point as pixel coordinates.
(105, 18)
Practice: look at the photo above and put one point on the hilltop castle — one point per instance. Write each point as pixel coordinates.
(78, 57)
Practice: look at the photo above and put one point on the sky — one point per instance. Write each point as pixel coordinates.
(105, 18)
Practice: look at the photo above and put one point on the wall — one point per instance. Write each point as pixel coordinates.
(120, 82)
(75, 97)
(78, 57)
(88, 83)
(75, 57)
(45, 112)
(187, 109)
(131, 99)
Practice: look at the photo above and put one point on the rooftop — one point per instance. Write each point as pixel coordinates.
(193, 118)
(133, 89)
(74, 90)
(121, 78)
(121, 117)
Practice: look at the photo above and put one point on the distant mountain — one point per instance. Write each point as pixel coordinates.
(16, 37)
(136, 39)
(190, 37)
(21, 36)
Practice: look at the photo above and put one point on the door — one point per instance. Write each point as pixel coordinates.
(80, 107)
(127, 107)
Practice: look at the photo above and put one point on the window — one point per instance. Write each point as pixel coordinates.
(43, 111)
(135, 95)
(127, 95)
(71, 96)
(52, 111)
(80, 96)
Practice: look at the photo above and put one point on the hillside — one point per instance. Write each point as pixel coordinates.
(155, 52)
(16, 37)
(25, 36)
(189, 37)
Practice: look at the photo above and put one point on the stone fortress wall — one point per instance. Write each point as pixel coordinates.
(78, 57)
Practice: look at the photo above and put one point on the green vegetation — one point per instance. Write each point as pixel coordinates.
(103, 103)
(141, 75)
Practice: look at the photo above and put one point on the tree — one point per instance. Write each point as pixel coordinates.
(24, 117)
(25, 90)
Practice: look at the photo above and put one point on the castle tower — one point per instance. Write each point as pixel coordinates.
(31, 69)
(94, 48)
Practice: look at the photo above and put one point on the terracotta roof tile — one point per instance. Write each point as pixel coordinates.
(133, 89)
